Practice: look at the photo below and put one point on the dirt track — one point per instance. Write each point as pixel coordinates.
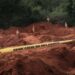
(57, 59)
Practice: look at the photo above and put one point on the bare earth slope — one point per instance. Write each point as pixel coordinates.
(57, 59)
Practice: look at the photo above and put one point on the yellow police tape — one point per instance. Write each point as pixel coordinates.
(23, 47)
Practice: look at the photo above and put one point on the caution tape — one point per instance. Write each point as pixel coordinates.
(23, 47)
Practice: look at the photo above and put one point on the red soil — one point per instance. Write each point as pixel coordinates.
(57, 59)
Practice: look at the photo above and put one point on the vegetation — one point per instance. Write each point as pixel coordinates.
(19, 12)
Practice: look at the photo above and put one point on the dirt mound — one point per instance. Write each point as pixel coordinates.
(31, 39)
(55, 61)
(43, 32)
(48, 28)
(25, 67)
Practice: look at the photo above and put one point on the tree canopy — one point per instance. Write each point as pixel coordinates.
(18, 12)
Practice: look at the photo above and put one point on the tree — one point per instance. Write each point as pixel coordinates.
(69, 8)
(19, 12)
